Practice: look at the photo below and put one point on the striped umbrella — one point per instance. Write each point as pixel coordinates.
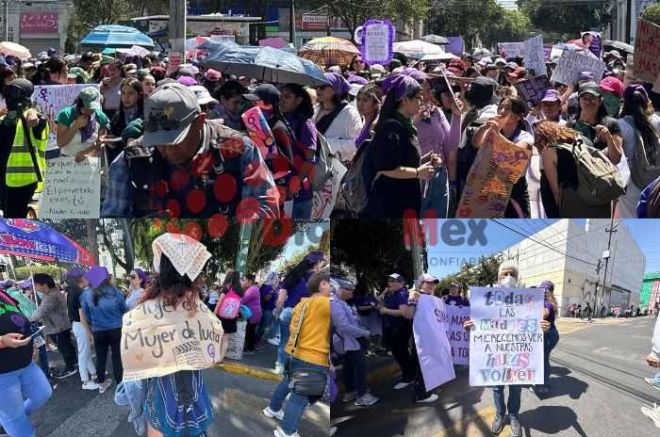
(328, 51)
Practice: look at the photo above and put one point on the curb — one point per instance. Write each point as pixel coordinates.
(255, 372)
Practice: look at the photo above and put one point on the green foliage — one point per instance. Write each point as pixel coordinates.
(57, 272)
(356, 12)
(510, 26)
(652, 13)
(483, 273)
(469, 18)
(566, 20)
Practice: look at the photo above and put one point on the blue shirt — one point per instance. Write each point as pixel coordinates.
(393, 301)
(109, 311)
(297, 292)
(267, 290)
(132, 300)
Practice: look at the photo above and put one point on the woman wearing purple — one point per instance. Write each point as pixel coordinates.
(252, 299)
(551, 337)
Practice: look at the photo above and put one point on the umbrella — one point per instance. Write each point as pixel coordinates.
(618, 45)
(8, 48)
(417, 48)
(440, 57)
(264, 63)
(481, 53)
(435, 39)
(116, 36)
(328, 51)
(37, 240)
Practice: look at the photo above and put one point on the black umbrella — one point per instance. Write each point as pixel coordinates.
(436, 39)
(618, 45)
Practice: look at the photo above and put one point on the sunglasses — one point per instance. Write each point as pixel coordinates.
(158, 122)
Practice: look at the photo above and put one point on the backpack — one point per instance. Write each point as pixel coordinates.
(599, 181)
(357, 183)
(643, 170)
(229, 307)
(323, 168)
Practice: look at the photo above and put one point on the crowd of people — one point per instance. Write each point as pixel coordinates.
(93, 306)
(408, 133)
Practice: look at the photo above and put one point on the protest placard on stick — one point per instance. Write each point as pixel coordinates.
(647, 52)
(534, 56)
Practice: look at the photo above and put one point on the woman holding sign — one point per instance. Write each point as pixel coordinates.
(507, 278)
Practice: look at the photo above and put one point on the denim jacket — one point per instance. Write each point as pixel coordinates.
(109, 311)
(345, 327)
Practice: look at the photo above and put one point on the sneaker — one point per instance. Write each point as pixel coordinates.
(652, 383)
(498, 425)
(279, 433)
(516, 429)
(653, 414)
(274, 341)
(366, 400)
(279, 369)
(432, 398)
(279, 415)
(351, 396)
(402, 384)
(66, 373)
(90, 385)
(103, 386)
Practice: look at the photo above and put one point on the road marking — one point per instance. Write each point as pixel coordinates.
(99, 418)
(241, 369)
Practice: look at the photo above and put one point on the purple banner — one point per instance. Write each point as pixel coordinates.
(547, 50)
(456, 45)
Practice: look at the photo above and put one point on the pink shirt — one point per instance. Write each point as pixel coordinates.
(437, 135)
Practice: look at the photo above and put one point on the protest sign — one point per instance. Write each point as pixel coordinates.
(532, 90)
(51, 99)
(647, 51)
(510, 50)
(496, 168)
(159, 340)
(459, 338)
(547, 51)
(377, 42)
(324, 200)
(534, 56)
(432, 343)
(71, 189)
(596, 46)
(259, 130)
(572, 63)
(506, 343)
(456, 45)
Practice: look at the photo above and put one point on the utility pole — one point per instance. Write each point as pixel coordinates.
(292, 22)
(606, 255)
(628, 20)
(5, 21)
(177, 31)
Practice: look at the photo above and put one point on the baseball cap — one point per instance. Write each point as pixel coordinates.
(395, 276)
(589, 88)
(500, 61)
(76, 72)
(266, 92)
(427, 277)
(551, 95)
(168, 114)
(376, 70)
(203, 95)
(91, 98)
(187, 81)
(612, 85)
(213, 75)
(511, 66)
(343, 283)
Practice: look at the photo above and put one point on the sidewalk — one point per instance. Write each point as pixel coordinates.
(260, 365)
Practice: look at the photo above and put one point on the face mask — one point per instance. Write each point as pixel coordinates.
(612, 105)
(509, 282)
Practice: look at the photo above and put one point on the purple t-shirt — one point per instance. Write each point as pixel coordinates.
(252, 299)
(393, 301)
(551, 316)
(267, 290)
(435, 134)
(297, 291)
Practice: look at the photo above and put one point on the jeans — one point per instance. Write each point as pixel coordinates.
(513, 405)
(435, 203)
(29, 383)
(550, 340)
(250, 336)
(284, 322)
(302, 209)
(355, 372)
(65, 346)
(265, 326)
(85, 362)
(397, 341)
(295, 407)
(102, 341)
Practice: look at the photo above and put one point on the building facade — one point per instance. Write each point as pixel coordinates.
(573, 263)
(37, 25)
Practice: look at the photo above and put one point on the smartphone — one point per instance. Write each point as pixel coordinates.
(37, 332)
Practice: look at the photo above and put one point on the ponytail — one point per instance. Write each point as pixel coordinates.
(637, 105)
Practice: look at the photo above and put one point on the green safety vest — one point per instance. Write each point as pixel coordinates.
(20, 168)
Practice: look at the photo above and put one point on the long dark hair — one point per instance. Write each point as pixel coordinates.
(520, 108)
(391, 105)
(637, 105)
(296, 273)
(305, 109)
(233, 281)
(137, 87)
(171, 286)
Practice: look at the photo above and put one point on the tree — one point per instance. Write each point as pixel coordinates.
(652, 13)
(471, 19)
(509, 26)
(566, 19)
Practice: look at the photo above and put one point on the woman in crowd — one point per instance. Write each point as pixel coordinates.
(308, 351)
(396, 157)
(337, 120)
(232, 283)
(75, 285)
(148, 84)
(350, 342)
(369, 101)
(103, 306)
(559, 178)
(268, 325)
(251, 299)
(640, 129)
(296, 105)
(111, 75)
(6, 76)
(137, 282)
(25, 388)
(293, 288)
(131, 108)
(230, 108)
(56, 71)
(511, 126)
(551, 336)
(551, 107)
(357, 65)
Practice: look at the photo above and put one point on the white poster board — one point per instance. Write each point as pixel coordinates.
(534, 56)
(506, 343)
(459, 338)
(572, 63)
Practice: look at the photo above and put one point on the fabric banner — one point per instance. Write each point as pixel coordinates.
(647, 52)
(496, 168)
(432, 343)
(51, 99)
(534, 56)
(572, 63)
(459, 338)
(506, 343)
(510, 50)
(72, 190)
(159, 340)
(532, 90)
(324, 200)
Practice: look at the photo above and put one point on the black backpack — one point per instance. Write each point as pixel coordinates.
(356, 185)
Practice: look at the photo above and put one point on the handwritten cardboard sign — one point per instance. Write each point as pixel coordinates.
(496, 168)
(647, 52)
(572, 63)
(506, 343)
(534, 55)
(511, 50)
(532, 90)
(71, 190)
(159, 340)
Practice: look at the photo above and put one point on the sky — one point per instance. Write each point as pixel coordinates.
(302, 241)
(445, 259)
